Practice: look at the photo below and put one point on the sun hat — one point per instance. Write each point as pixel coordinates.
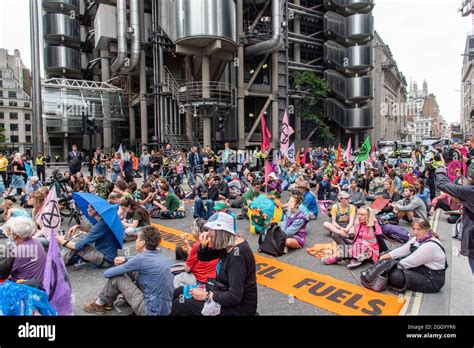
(343, 194)
(221, 221)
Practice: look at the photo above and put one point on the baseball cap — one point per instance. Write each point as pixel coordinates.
(221, 221)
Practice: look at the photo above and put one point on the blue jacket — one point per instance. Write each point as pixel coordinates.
(311, 203)
(155, 278)
(104, 240)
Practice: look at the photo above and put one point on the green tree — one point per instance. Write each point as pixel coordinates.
(3, 139)
(314, 90)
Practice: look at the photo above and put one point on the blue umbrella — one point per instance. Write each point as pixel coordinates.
(107, 211)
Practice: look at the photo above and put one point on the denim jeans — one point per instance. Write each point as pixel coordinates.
(100, 170)
(203, 208)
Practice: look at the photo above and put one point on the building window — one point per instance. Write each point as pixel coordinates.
(12, 94)
(1, 83)
(2, 125)
(27, 127)
(28, 138)
(14, 138)
(2, 115)
(13, 127)
(27, 104)
(27, 117)
(13, 115)
(12, 103)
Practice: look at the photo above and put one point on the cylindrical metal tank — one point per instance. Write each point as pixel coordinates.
(62, 61)
(61, 6)
(59, 28)
(197, 22)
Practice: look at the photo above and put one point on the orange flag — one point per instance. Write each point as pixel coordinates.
(339, 156)
(298, 159)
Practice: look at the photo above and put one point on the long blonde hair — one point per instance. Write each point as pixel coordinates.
(370, 215)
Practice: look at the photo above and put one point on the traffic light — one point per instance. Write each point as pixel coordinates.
(220, 123)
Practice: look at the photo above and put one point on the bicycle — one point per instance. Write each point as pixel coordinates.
(67, 208)
(193, 177)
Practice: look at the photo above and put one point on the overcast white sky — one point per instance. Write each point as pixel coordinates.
(426, 37)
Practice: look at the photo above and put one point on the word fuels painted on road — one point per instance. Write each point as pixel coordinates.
(317, 289)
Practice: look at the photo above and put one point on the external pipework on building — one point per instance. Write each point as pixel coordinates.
(203, 72)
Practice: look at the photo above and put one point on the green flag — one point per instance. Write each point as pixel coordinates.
(364, 151)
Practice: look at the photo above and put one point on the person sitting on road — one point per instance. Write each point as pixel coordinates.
(364, 245)
(204, 206)
(136, 218)
(222, 186)
(376, 186)
(249, 195)
(98, 246)
(357, 195)
(145, 196)
(447, 203)
(410, 206)
(11, 210)
(342, 218)
(423, 263)
(32, 185)
(29, 254)
(294, 224)
(309, 199)
(144, 280)
(273, 184)
(323, 188)
(423, 192)
(172, 207)
(234, 291)
(235, 186)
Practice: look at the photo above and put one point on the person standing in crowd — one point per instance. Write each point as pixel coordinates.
(117, 164)
(74, 160)
(98, 161)
(144, 280)
(228, 156)
(465, 195)
(19, 176)
(145, 162)
(194, 161)
(127, 168)
(40, 167)
(3, 169)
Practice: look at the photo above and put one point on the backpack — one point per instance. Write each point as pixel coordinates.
(272, 241)
(396, 233)
(376, 277)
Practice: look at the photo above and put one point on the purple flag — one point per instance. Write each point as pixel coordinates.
(286, 132)
(56, 279)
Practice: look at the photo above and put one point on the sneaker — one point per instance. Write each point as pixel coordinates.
(330, 260)
(94, 308)
(109, 306)
(354, 264)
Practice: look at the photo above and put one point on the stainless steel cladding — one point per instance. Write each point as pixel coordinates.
(349, 6)
(62, 61)
(355, 29)
(186, 20)
(349, 89)
(59, 28)
(349, 60)
(64, 6)
(349, 117)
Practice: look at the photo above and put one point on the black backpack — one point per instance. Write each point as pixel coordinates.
(376, 277)
(272, 241)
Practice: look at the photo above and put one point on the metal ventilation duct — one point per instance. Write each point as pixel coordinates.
(65, 6)
(59, 29)
(355, 29)
(196, 22)
(358, 118)
(349, 6)
(274, 42)
(349, 89)
(352, 60)
(62, 61)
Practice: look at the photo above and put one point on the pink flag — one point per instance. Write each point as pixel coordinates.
(266, 136)
(348, 153)
(286, 132)
(55, 279)
(268, 170)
